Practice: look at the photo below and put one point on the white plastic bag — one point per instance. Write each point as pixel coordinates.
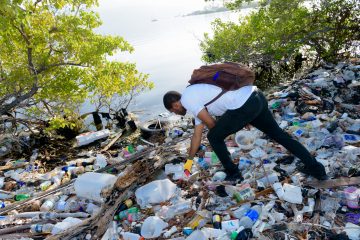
(153, 227)
(155, 192)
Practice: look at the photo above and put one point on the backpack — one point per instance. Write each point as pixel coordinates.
(228, 76)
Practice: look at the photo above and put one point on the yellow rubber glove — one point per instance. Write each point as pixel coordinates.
(187, 167)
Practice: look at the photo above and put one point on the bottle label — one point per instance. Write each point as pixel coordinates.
(253, 215)
(216, 218)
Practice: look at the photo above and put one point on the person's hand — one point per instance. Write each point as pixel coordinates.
(187, 167)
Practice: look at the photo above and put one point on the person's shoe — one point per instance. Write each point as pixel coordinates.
(234, 177)
(319, 174)
(322, 177)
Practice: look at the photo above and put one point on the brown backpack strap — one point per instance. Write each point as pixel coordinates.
(215, 98)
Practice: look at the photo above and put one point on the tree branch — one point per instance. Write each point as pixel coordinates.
(8, 107)
(45, 68)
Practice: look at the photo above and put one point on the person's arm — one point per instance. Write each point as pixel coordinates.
(196, 140)
(206, 118)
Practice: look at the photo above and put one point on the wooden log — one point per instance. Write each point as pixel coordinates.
(112, 141)
(332, 183)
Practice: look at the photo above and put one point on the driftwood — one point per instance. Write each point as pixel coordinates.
(332, 183)
(112, 142)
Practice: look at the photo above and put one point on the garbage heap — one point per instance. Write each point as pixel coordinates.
(146, 193)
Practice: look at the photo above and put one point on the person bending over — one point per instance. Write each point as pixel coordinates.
(235, 110)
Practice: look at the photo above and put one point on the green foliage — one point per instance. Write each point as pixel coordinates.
(273, 35)
(52, 60)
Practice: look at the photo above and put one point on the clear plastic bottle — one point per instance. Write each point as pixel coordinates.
(251, 217)
(45, 185)
(72, 205)
(35, 154)
(232, 192)
(4, 220)
(49, 204)
(240, 212)
(60, 205)
(49, 215)
(177, 209)
(41, 228)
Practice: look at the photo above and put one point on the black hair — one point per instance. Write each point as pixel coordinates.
(171, 97)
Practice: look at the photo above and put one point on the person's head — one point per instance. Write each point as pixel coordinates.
(172, 103)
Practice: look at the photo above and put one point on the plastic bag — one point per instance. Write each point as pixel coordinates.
(153, 227)
(155, 192)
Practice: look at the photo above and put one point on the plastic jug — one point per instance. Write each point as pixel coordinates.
(92, 185)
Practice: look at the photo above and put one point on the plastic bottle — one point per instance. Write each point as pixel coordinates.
(236, 233)
(251, 216)
(240, 212)
(1, 182)
(48, 215)
(76, 170)
(202, 162)
(174, 210)
(49, 204)
(35, 154)
(197, 222)
(232, 192)
(60, 205)
(21, 197)
(126, 214)
(90, 137)
(130, 149)
(125, 205)
(214, 158)
(45, 185)
(244, 163)
(72, 205)
(57, 179)
(216, 221)
(41, 228)
(4, 220)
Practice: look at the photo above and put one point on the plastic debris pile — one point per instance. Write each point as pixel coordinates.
(275, 200)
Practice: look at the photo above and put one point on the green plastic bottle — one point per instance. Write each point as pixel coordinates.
(21, 197)
(214, 158)
(130, 149)
(124, 214)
